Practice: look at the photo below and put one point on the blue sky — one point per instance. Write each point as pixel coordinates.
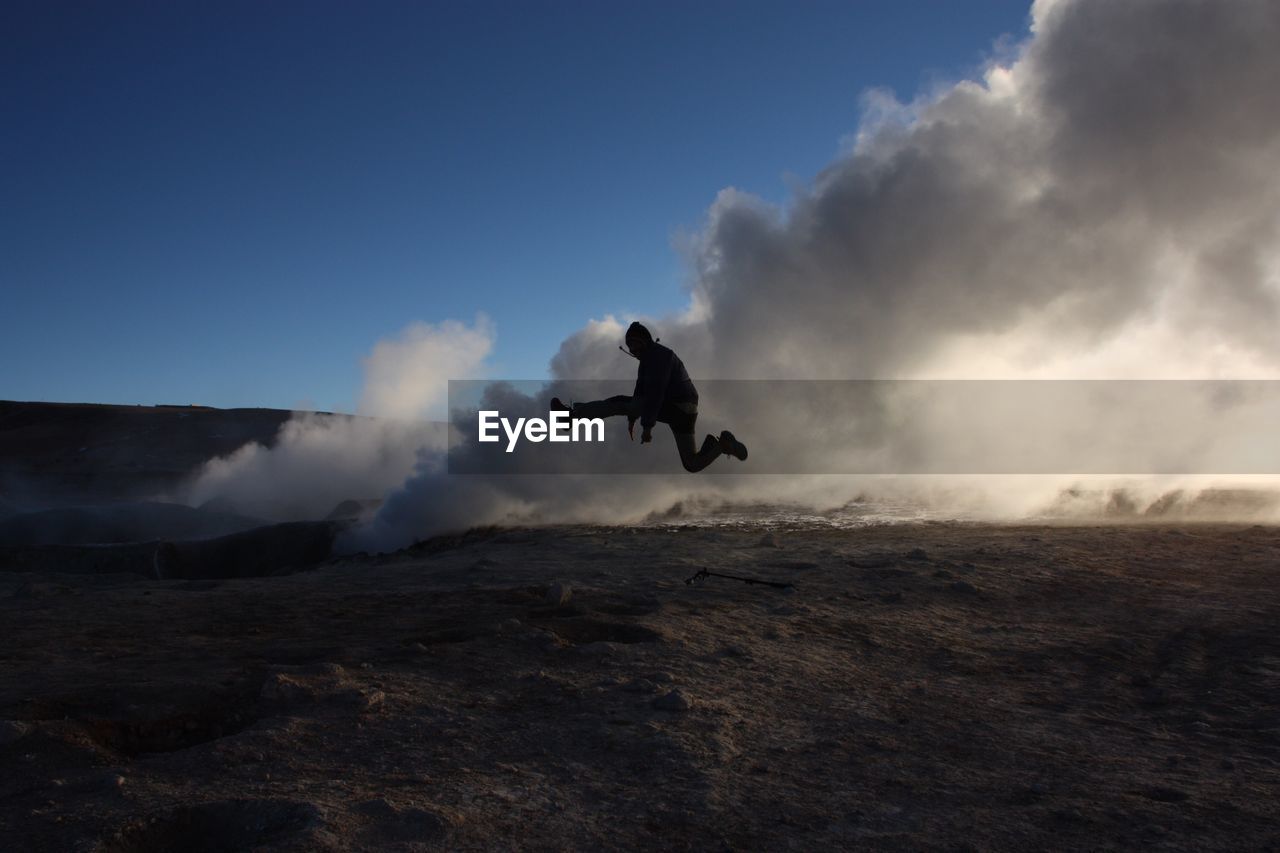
(231, 203)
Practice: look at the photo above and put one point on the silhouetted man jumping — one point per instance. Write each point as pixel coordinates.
(663, 393)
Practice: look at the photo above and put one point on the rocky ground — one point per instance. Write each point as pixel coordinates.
(927, 686)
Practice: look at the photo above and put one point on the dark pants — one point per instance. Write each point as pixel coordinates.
(682, 425)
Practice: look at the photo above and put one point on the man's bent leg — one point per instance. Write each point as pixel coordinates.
(696, 460)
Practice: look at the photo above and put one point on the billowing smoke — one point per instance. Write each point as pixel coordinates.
(406, 378)
(1104, 203)
(1119, 180)
(318, 461)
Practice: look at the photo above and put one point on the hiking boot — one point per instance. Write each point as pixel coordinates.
(732, 446)
(558, 406)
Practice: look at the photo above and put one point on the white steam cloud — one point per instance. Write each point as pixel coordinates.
(1104, 203)
(1116, 183)
(318, 461)
(407, 377)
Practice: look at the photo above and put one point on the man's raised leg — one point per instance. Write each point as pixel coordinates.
(608, 408)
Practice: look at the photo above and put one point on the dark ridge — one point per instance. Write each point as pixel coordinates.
(116, 524)
(275, 549)
(452, 541)
(55, 453)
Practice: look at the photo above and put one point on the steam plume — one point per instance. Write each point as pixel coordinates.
(1103, 204)
(319, 461)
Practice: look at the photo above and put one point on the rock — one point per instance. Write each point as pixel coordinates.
(365, 700)
(943, 574)
(917, 554)
(640, 685)
(662, 677)
(558, 594)
(963, 587)
(509, 625)
(768, 540)
(546, 641)
(673, 701)
(279, 687)
(12, 730)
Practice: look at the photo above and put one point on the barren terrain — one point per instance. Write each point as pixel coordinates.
(931, 686)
